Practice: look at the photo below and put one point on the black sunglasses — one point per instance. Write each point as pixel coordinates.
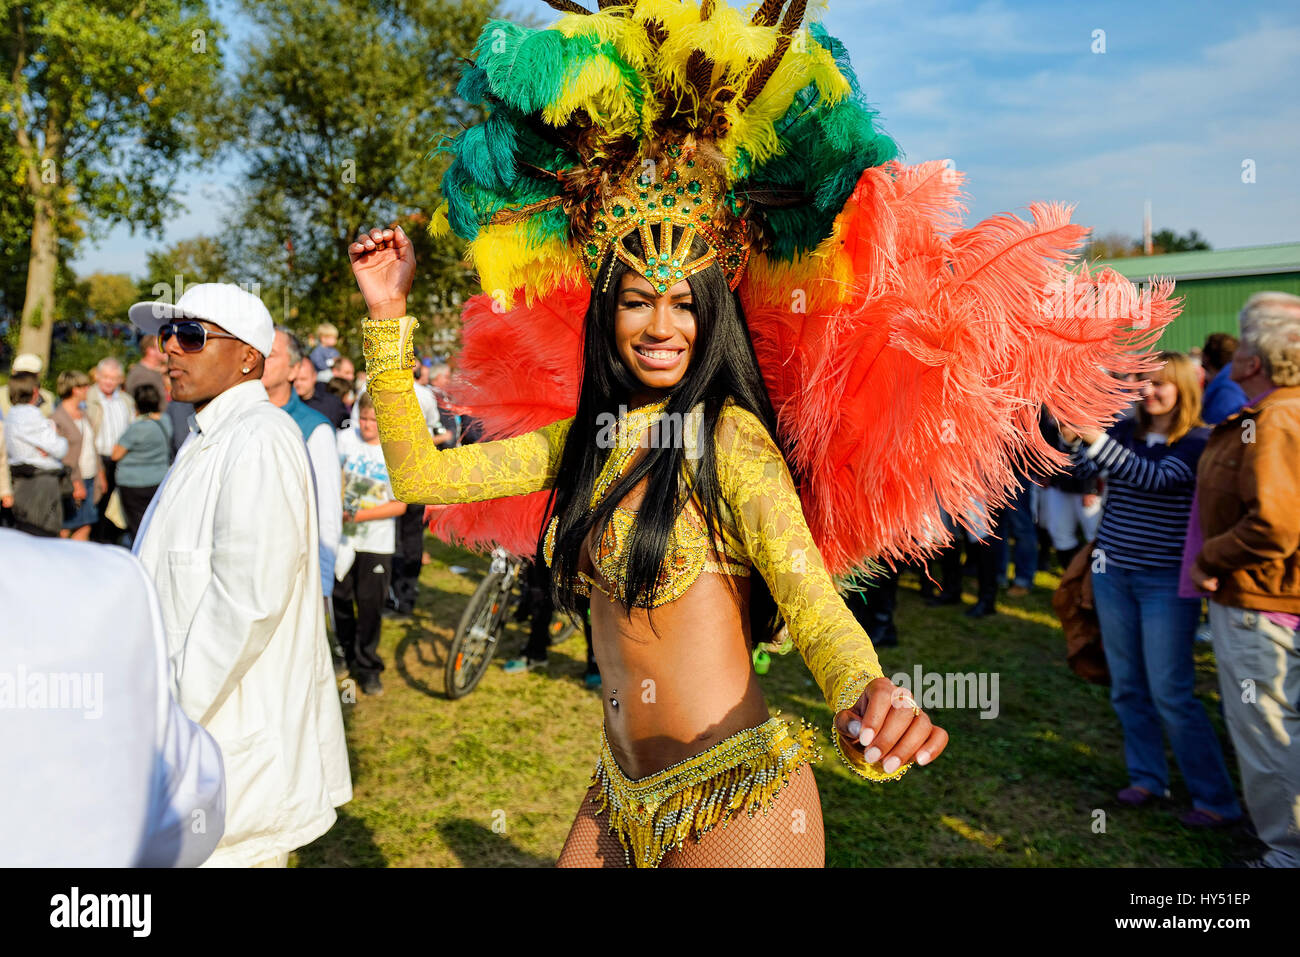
(191, 335)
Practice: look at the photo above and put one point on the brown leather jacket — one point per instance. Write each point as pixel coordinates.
(1248, 490)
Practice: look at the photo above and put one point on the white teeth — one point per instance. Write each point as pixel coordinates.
(658, 353)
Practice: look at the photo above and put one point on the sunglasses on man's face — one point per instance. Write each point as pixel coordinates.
(190, 335)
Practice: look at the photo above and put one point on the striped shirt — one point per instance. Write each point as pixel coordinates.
(1148, 494)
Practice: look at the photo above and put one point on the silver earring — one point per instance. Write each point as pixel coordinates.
(245, 371)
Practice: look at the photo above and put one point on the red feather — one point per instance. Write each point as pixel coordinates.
(920, 391)
(518, 370)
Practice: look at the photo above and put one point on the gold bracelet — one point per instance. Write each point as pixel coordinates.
(872, 772)
(383, 346)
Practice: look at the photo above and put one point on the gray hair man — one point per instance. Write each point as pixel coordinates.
(1248, 486)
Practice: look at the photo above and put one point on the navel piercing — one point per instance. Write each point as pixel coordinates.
(613, 702)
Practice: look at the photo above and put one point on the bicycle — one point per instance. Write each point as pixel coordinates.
(482, 624)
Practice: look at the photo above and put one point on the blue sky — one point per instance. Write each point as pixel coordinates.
(1014, 94)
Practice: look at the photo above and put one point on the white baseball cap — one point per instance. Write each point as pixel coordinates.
(237, 311)
(28, 362)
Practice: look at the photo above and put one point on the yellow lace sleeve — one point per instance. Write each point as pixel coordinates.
(760, 492)
(420, 472)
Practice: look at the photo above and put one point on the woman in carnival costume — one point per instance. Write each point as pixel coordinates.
(728, 348)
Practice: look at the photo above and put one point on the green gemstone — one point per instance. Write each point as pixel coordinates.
(649, 273)
(592, 249)
(618, 210)
(600, 225)
(651, 260)
(669, 200)
(686, 209)
(678, 274)
(672, 177)
(594, 264)
(663, 287)
(690, 163)
(661, 270)
(658, 186)
(704, 217)
(694, 186)
(680, 190)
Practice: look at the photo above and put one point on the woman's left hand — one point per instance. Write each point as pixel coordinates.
(886, 726)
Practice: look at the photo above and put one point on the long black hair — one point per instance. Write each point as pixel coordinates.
(722, 366)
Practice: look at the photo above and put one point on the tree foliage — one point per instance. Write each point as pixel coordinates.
(104, 104)
(341, 102)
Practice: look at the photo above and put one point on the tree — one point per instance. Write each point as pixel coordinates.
(1112, 246)
(169, 272)
(104, 103)
(342, 101)
(1167, 241)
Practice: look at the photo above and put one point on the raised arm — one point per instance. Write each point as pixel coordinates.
(422, 473)
(383, 262)
(760, 493)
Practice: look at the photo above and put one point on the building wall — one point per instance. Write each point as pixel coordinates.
(1212, 305)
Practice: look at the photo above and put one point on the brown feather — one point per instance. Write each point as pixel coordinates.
(504, 217)
(767, 14)
(567, 6)
(656, 32)
(763, 72)
(793, 18)
(699, 72)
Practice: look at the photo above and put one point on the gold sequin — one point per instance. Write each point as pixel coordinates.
(742, 773)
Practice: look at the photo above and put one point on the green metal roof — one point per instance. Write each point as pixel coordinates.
(1212, 263)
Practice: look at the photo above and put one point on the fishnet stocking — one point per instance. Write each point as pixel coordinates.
(789, 835)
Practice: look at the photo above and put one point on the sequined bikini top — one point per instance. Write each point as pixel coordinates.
(688, 553)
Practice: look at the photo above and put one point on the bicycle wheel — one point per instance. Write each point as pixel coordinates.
(476, 638)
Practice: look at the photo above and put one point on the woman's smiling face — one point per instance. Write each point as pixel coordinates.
(654, 333)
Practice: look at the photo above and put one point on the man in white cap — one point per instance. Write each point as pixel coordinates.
(29, 362)
(231, 542)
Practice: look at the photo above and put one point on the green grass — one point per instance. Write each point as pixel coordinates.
(494, 779)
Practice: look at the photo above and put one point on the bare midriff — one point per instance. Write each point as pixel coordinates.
(681, 686)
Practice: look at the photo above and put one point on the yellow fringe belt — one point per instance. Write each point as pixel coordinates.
(654, 814)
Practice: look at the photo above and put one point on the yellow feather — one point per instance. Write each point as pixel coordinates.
(806, 61)
(627, 36)
(506, 262)
(438, 225)
(824, 274)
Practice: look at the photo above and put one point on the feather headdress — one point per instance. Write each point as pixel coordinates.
(906, 355)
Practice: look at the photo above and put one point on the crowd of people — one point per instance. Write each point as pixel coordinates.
(1191, 496)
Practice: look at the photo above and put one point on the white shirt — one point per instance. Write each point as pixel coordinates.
(32, 439)
(231, 541)
(324, 455)
(117, 416)
(102, 768)
(365, 485)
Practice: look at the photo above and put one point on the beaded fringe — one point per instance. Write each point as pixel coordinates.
(744, 772)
